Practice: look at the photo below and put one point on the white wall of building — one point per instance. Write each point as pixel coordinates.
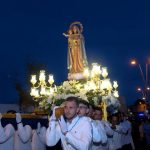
(6, 107)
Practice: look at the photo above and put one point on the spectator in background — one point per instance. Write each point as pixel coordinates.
(6, 136)
(141, 130)
(146, 128)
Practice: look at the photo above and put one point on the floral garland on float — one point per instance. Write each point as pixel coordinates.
(97, 89)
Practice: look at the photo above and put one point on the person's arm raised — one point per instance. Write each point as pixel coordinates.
(24, 133)
(52, 133)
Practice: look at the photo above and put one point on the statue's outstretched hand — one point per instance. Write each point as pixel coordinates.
(66, 35)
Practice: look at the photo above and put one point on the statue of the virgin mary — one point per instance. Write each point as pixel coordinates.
(77, 60)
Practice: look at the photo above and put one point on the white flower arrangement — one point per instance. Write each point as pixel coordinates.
(95, 88)
(84, 90)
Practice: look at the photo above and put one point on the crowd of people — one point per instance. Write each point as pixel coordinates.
(141, 132)
(80, 127)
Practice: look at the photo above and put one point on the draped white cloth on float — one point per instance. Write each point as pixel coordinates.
(7, 137)
(39, 139)
(23, 137)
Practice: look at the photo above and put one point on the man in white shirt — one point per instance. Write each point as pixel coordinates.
(98, 134)
(104, 126)
(127, 141)
(98, 115)
(23, 135)
(75, 132)
(6, 136)
(115, 142)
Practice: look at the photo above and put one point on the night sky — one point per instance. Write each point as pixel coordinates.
(114, 32)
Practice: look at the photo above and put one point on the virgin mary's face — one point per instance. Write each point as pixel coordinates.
(75, 29)
(70, 31)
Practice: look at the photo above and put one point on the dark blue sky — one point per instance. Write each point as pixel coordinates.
(114, 31)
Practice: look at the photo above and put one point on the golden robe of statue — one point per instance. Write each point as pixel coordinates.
(76, 50)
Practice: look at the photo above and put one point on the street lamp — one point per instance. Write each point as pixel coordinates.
(144, 77)
(135, 62)
(139, 89)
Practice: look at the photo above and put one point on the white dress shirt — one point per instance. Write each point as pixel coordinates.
(7, 137)
(115, 141)
(78, 137)
(96, 136)
(101, 131)
(127, 138)
(109, 133)
(108, 129)
(23, 137)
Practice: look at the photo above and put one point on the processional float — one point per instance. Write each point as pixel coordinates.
(88, 83)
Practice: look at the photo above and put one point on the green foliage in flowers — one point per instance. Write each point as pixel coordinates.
(83, 90)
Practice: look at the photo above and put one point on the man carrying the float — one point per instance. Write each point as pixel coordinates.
(99, 134)
(74, 131)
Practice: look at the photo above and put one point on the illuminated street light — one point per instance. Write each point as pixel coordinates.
(146, 88)
(144, 92)
(135, 62)
(143, 98)
(139, 89)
